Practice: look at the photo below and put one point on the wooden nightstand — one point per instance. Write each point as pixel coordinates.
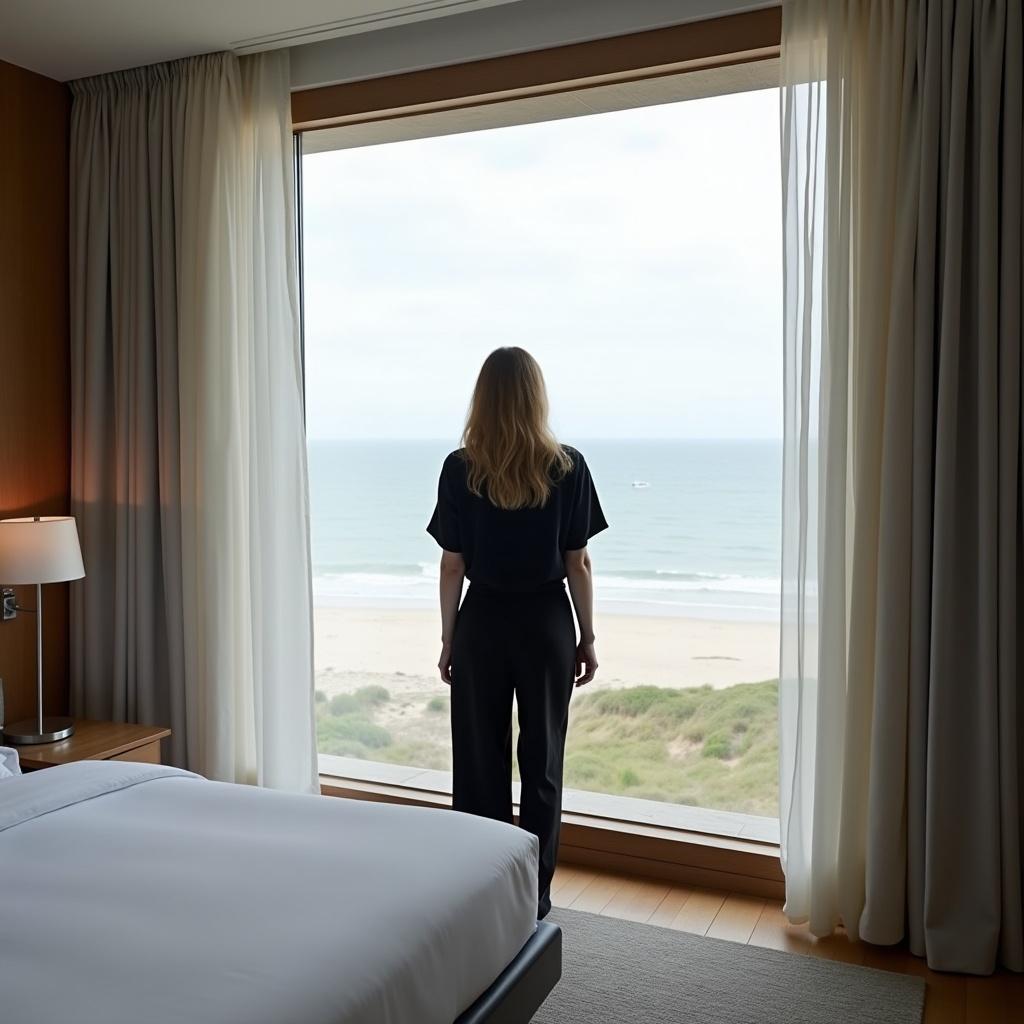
(97, 741)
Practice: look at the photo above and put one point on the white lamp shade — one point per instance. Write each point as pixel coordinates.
(43, 550)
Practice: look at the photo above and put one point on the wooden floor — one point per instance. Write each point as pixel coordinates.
(951, 998)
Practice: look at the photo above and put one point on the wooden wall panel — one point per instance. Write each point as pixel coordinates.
(34, 359)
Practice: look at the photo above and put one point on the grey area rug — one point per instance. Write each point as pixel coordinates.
(618, 971)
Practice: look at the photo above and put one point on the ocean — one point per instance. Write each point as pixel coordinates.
(695, 525)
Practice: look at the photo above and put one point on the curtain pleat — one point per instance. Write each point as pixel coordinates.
(188, 452)
(909, 696)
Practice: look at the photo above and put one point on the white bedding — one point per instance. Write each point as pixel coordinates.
(9, 763)
(133, 892)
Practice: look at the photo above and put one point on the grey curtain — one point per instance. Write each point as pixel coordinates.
(945, 779)
(127, 145)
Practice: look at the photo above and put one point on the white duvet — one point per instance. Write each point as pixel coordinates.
(140, 893)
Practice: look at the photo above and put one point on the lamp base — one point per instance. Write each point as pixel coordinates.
(27, 731)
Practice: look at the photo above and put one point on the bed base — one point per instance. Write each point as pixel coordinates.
(519, 990)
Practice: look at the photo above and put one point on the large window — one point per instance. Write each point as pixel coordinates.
(636, 253)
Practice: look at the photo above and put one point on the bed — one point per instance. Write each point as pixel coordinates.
(140, 892)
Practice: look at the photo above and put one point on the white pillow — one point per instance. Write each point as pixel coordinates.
(9, 766)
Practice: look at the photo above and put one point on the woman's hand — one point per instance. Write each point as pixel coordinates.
(452, 573)
(444, 663)
(586, 663)
(579, 575)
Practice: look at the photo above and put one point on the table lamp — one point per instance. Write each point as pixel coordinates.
(38, 550)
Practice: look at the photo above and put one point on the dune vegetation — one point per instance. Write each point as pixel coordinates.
(699, 746)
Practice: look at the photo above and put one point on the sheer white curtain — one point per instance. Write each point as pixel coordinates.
(188, 450)
(812, 677)
(902, 672)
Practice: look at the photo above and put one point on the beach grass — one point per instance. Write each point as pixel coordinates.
(695, 746)
(698, 746)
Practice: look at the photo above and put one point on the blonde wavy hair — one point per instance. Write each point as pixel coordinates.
(512, 456)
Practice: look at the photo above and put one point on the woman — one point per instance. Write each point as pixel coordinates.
(515, 510)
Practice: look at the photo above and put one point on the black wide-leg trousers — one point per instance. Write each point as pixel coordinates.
(509, 644)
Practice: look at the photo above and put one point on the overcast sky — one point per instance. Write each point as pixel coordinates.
(636, 254)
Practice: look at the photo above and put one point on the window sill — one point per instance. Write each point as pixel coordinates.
(688, 845)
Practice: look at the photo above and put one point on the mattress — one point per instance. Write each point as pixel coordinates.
(137, 892)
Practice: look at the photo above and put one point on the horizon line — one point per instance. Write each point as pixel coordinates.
(593, 437)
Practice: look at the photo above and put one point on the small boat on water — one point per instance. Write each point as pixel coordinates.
(640, 484)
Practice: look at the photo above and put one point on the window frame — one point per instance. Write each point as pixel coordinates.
(711, 43)
(689, 853)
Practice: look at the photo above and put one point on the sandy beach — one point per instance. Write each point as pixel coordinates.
(357, 646)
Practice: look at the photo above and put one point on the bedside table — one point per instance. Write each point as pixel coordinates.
(96, 741)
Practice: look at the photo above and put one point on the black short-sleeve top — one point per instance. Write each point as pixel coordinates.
(515, 549)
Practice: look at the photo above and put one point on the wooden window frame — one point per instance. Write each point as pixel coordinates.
(713, 43)
(657, 852)
(634, 848)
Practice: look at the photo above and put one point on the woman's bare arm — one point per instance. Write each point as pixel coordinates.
(453, 572)
(579, 575)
